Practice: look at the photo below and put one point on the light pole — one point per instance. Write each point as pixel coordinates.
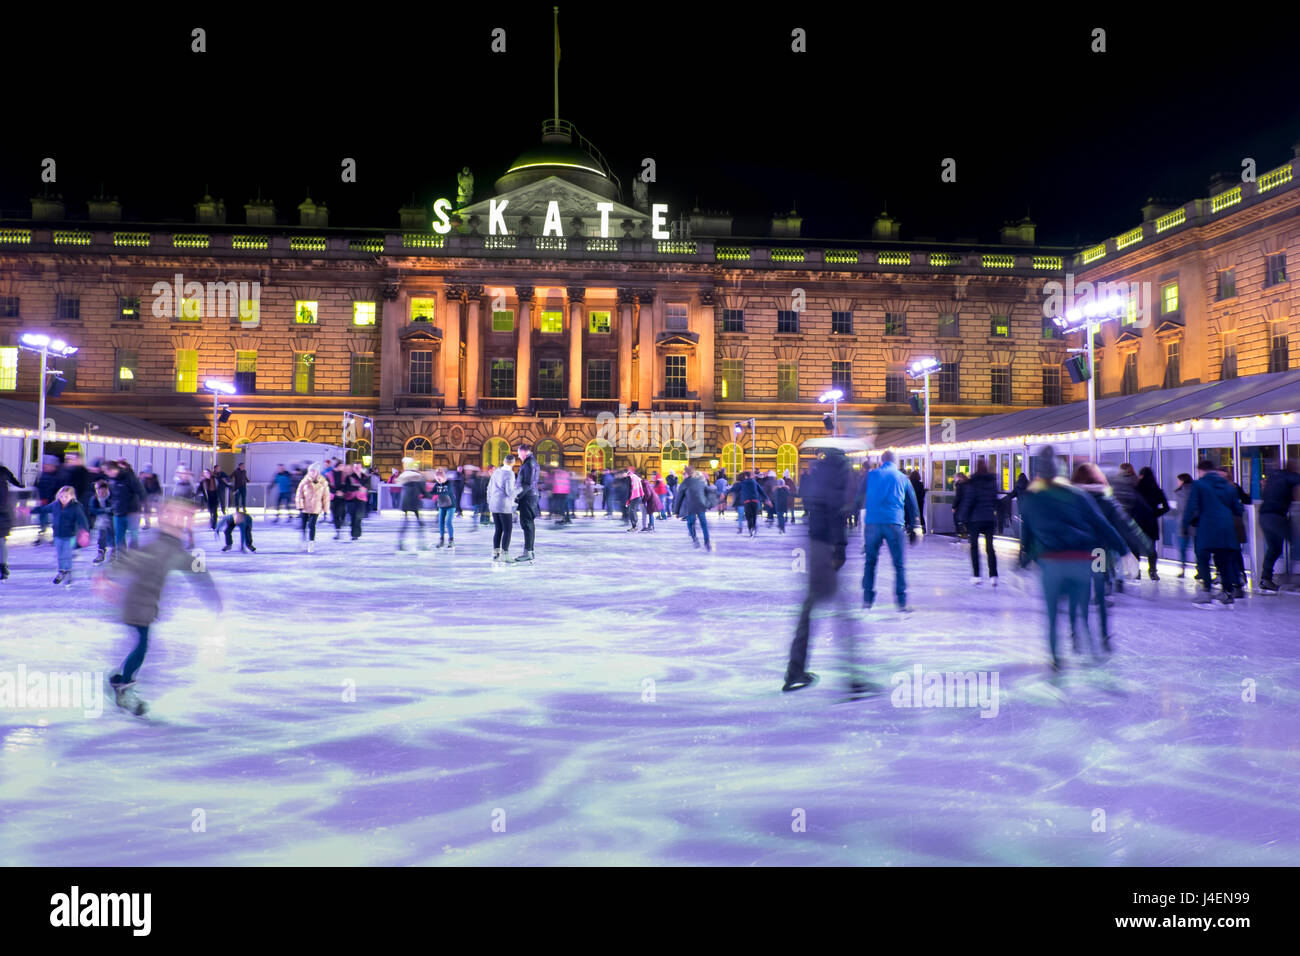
(739, 429)
(1089, 320)
(42, 343)
(217, 388)
(350, 420)
(834, 396)
(923, 368)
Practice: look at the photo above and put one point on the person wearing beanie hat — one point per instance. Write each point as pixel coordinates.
(1062, 528)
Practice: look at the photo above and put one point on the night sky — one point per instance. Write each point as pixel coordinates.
(732, 117)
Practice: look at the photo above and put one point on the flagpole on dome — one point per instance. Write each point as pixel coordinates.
(557, 65)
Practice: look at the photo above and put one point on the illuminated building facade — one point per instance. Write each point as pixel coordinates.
(560, 297)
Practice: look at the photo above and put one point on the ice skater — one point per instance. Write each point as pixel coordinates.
(138, 577)
(7, 479)
(501, 493)
(889, 503)
(312, 499)
(412, 484)
(71, 530)
(444, 496)
(828, 494)
(528, 499)
(237, 521)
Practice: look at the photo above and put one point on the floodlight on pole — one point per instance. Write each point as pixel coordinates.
(923, 368)
(41, 343)
(1089, 319)
(218, 388)
(834, 396)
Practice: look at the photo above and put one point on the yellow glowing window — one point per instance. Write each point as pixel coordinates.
(304, 313)
(363, 313)
(1169, 298)
(422, 310)
(552, 320)
(1131, 311)
(191, 309)
(304, 373)
(126, 373)
(8, 368)
(599, 322)
(503, 320)
(250, 311)
(187, 370)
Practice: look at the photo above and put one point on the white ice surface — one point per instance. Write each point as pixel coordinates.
(521, 689)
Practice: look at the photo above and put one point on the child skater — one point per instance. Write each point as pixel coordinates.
(71, 529)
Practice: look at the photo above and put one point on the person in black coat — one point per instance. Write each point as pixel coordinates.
(77, 475)
(958, 499)
(128, 499)
(528, 499)
(828, 491)
(1154, 496)
(918, 487)
(6, 516)
(978, 511)
(1211, 508)
(1280, 489)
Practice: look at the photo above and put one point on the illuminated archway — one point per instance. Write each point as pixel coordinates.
(674, 457)
(732, 459)
(598, 455)
(421, 449)
(787, 456)
(495, 451)
(549, 453)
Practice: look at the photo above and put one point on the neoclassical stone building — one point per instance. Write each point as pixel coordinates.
(526, 314)
(1222, 302)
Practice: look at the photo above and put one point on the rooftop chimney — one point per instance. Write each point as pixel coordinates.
(310, 214)
(105, 209)
(259, 212)
(1017, 233)
(48, 207)
(884, 227)
(790, 225)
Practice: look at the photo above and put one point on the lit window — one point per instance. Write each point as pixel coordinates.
(419, 449)
(787, 459)
(552, 320)
(1276, 269)
(8, 368)
(1000, 325)
(245, 372)
(733, 379)
(304, 313)
(187, 370)
(125, 361)
(363, 313)
(304, 373)
(598, 322)
(128, 308)
(191, 309)
(503, 320)
(422, 310)
(494, 452)
(1168, 300)
(250, 313)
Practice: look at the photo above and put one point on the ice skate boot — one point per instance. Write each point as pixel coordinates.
(525, 558)
(1267, 585)
(4, 571)
(798, 681)
(442, 541)
(58, 578)
(99, 558)
(124, 696)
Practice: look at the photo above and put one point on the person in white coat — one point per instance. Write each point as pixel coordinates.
(501, 493)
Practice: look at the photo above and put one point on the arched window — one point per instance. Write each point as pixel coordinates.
(361, 452)
(495, 451)
(599, 455)
(549, 454)
(732, 459)
(787, 456)
(421, 449)
(674, 457)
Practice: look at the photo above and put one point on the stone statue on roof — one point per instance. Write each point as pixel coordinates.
(640, 194)
(465, 187)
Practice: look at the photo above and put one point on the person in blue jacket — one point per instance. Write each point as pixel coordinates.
(1211, 508)
(70, 522)
(891, 509)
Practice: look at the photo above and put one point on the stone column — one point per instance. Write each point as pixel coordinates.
(646, 326)
(524, 349)
(707, 322)
(451, 346)
(577, 296)
(626, 300)
(390, 346)
(473, 347)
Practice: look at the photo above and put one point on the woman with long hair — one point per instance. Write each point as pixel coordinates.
(501, 493)
(312, 500)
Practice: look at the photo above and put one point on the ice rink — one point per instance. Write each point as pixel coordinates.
(619, 702)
